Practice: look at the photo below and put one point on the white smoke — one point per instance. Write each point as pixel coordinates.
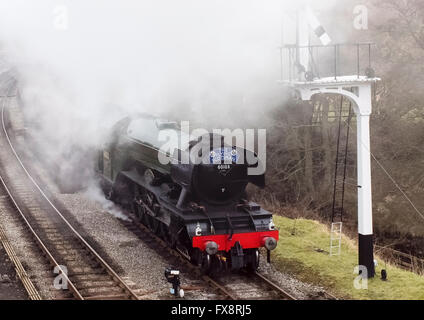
(108, 58)
(94, 193)
(84, 64)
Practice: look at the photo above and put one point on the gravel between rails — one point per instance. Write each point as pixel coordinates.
(10, 285)
(35, 265)
(299, 289)
(140, 265)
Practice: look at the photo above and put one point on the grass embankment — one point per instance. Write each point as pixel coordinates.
(303, 250)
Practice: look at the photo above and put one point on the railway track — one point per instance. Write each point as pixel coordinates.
(231, 287)
(88, 276)
(81, 272)
(174, 257)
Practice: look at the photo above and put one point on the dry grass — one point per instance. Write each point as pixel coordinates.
(303, 250)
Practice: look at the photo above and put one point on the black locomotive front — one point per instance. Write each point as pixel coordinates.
(197, 202)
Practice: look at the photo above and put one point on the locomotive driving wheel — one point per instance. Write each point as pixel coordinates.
(120, 192)
(153, 224)
(217, 265)
(109, 195)
(253, 260)
(164, 233)
(206, 264)
(138, 207)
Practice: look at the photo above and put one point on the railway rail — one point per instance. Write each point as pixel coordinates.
(32, 292)
(85, 275)
(244, 282)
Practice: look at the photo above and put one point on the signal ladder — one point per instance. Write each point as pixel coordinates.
(339, 182)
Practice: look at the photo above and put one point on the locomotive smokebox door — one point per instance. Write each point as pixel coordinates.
(237, 256)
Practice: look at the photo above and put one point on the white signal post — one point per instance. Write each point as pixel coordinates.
(360, 96)
(358, 89)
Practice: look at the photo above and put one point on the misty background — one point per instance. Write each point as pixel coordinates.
(115, 57)
(83, 65)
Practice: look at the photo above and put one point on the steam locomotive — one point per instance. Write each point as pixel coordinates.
(198, 207)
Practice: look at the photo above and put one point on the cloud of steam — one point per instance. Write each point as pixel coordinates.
(84, 64)
(93, 192)
(116, 57)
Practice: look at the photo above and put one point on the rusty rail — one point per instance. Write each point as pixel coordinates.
(38, 240)
(33, 294)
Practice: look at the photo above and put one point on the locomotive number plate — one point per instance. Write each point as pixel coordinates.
(226, 155)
